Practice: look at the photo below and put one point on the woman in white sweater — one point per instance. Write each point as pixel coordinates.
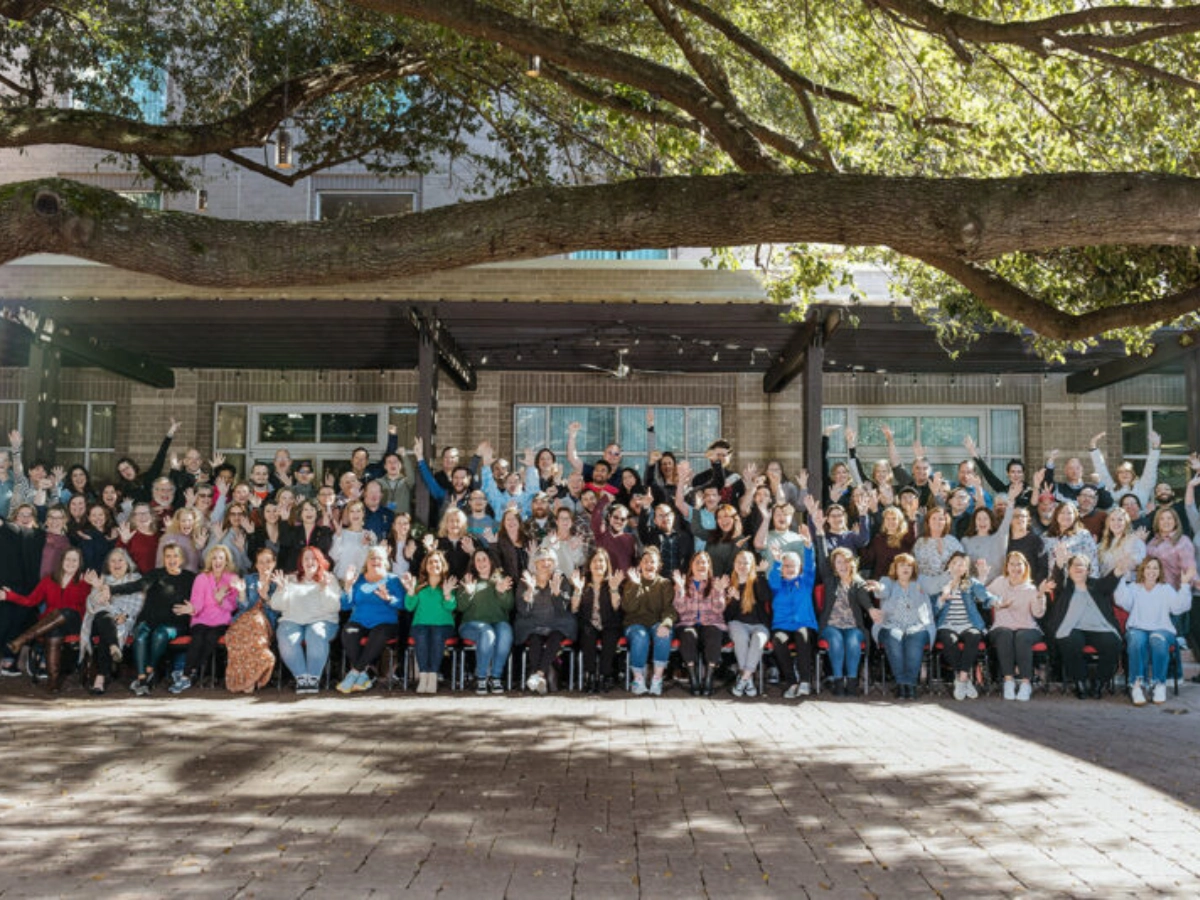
(308, 604)
(1149, 632)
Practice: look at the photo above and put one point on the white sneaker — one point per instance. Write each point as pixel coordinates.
(542, 684)
(638, 687)
(656, 687)
(532, 682)
(1160, 692)
(792, 692)
(1137, 695)
(739, 688)
(1010, 690)
(972, 694)
(751, 688)
(805, 689)
(1024, 692)
(960, 690)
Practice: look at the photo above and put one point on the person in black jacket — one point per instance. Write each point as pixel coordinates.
(1081, 614)
(748, 615)
(159, 622)
(841, 616)
(596, 602)
(669, 533)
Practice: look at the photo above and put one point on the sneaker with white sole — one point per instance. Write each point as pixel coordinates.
(972, 694)
(180, 684)
(751, 688)
(960, 690)
(1137, 694)
(792, 692)
(481, 687)
(543, 686)
(638, 687)
(532, 682)
(656, 687)
(346, 685)
(1010, 690)
(805, 689)
(1024, 692)
(496, 685)
(364, 682)
(739, 688)
(1160, 692)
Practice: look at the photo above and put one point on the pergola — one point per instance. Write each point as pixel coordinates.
(146, 339)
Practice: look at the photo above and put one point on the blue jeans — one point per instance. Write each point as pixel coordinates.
(431, 645)
(640, 638)
(493, 644)
(1158, 643)
(150, 644)
(904, 654)
(845, 650)
(304, 649)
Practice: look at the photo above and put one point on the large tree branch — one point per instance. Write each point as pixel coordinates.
(1008, 300)
(568, 51)
(24, 127)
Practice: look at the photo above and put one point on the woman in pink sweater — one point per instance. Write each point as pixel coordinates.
(214, 599)
(1014, 623)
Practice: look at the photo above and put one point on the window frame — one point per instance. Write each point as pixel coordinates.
(320, 193)
(1139, 459)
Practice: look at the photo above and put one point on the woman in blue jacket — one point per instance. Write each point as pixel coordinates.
(794, 619)
(374, 601)
(960, 625)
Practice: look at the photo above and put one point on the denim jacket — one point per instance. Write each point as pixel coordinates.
(974, 596)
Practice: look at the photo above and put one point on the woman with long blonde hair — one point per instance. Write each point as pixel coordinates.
(748, 615)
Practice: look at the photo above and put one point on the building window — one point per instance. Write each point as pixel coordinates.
(620, 254)
(151, 200)
(1171, 425)
(997, 431)
(87, 437)
(686, 431)
(350, 205)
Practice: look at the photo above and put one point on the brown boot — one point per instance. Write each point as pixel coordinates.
(48, 622)
(54, 646)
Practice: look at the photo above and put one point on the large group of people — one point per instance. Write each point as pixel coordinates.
(701, 577)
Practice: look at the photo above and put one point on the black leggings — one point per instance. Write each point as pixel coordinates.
(104, 627)
(960, 660)
(1014, 649)
(542, 650)
(694, 637)
(607, 638)
(203, 646)
(360, 655)
(1108, 652)
(804, 654)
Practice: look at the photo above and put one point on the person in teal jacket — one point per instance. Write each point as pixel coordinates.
(431, 602)
(374, 601)
(794, 618)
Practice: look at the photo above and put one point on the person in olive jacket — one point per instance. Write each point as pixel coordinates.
(649, 603)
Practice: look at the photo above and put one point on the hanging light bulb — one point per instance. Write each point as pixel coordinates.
(533, 68)
(283, 149)
(202, 200)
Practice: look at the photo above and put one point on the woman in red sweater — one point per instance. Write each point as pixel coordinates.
(65, 595)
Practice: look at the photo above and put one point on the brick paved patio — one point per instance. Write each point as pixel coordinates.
(377, 796)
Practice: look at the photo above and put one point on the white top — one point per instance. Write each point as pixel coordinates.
(1151, 610)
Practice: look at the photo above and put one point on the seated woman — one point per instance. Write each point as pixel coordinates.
(110, 617)
(431, 602)
(841, 621)
(485, 603)
(647, 601)
(596, 602)
(793, 619)
(903, 622)
(1018, 606)
(167, 592)
(544, 620)
(374, 601)
(748, 615)
(959, 621)
(214, 598)
(308, 604)
(1081, 614)
(700, 621)
(1151, 602)
(248, 640)
(65, 594)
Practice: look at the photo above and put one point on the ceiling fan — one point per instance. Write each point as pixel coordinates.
(624, 370)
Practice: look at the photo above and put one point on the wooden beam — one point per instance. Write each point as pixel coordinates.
(1191, 395)
(427, 401)
(1169, 350)
(791, 359)
(42, 392)
(93, 352)
(452, 360)
(814, 403)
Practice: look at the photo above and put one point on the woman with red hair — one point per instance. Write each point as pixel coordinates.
(308, 604)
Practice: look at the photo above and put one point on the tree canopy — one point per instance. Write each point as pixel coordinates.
(1027, 163)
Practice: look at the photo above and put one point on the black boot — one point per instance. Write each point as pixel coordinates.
(1081, 690)
(708, 680)
(1096, 689)
(606, 684)
(839, 687)
(694, 679)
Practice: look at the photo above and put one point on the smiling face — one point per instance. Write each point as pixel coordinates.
(1016, 568)
(264, 563)
(77, 507)
(701, 568)
(789, 566)
(599, 566)
(118, 565)
(483, 564)
(649, 565)
(743, 566)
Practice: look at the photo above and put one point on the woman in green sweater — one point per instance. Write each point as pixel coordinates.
(431, 602)
(485, 602)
